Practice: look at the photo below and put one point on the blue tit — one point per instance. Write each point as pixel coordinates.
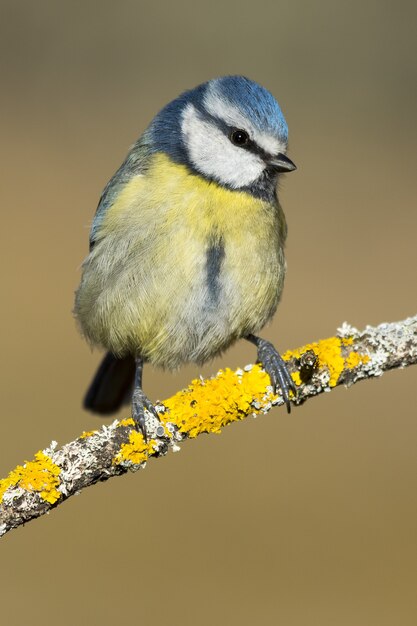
(187, 243)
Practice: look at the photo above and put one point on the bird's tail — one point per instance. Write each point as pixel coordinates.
(112, 385)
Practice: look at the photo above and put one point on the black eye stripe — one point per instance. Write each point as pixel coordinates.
(250, 145)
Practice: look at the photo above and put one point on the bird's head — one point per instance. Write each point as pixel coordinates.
(230, 130)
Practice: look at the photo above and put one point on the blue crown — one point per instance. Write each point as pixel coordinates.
(255, 102)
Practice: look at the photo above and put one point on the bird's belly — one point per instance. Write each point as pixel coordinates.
(206, 302)
(236, 293)
(189, 312)
(180, 284)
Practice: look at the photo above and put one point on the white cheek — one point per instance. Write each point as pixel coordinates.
(212, 153)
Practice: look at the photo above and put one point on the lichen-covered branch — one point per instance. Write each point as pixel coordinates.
(55, 474)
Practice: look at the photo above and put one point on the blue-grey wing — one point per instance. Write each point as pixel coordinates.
(135, 163)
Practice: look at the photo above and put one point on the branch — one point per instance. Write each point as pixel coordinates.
(55, 474)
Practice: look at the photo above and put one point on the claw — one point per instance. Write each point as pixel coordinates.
(140, 402)
(276, 368)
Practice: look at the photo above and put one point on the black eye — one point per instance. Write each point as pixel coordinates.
(239, 137)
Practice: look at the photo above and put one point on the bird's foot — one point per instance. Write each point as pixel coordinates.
(276, 368)
(140, 402)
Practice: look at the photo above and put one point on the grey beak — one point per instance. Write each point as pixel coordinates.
(281, 163)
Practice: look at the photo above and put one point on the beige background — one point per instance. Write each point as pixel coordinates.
(302, 519)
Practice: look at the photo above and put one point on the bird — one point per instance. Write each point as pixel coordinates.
(187, 243)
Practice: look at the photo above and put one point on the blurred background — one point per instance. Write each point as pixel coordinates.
(308, 518)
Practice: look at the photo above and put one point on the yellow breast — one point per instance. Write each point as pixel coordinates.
(181, 267)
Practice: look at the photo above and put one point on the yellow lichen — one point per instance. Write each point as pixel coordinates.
(87, 433)
(127, 421)
(296, 378)
(39, 476)
(329, 354)
(136, 451)
(354, 359)
(207, 406)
